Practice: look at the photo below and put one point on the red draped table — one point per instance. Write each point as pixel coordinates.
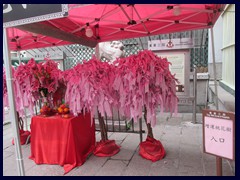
(63, 141)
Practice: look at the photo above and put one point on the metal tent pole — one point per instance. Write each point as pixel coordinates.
(214, 69)
(194, 94)
(13, 115)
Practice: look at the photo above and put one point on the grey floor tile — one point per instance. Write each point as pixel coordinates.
(181, 139)
(112, 168)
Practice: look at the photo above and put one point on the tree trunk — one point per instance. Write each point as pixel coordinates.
(149, 128)
(102, 126)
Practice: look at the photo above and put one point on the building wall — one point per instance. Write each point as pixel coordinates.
(218, 70)
(217, 32)
(228, 49)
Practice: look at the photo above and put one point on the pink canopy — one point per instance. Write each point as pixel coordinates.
(23, 40)
(116, 21)
(108, 22)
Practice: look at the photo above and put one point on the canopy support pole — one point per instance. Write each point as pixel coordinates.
(194, 94)
(13, 115)
(214, 69)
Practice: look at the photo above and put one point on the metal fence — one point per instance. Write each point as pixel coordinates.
(199, 54)
(82, 53)
(199, 58)
(117, 123)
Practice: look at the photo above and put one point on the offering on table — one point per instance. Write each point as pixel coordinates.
(63, 110)
(46, 110)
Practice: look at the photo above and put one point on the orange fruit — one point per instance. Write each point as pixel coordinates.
(65, 110)
(60, 110)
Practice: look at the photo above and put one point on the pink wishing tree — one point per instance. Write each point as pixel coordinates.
(89, 88)
(144, 82)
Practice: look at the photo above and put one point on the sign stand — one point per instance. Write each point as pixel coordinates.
(219, 165)
(219, 136)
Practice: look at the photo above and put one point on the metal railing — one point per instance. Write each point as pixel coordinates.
(120, 124)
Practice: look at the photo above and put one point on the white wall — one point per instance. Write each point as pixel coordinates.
(218, 42)
(228, 49)
(217, 36)
(224, 42)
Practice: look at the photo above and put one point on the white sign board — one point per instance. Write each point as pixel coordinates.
(218, 133)
(170, 44)
(50, 54)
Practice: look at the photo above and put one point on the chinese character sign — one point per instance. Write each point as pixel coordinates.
(218, 136)
(176, 67)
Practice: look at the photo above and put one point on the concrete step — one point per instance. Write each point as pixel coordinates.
(226, 101)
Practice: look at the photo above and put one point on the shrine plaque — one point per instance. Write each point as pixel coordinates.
(177, 68)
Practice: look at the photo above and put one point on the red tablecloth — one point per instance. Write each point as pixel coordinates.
(63, 141)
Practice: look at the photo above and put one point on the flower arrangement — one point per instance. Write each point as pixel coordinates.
(47, 75)
(34, 81)
(46, 79)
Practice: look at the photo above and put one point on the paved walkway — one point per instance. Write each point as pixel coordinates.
(181, 139)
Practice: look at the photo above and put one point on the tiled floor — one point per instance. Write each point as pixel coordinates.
(181, 139)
